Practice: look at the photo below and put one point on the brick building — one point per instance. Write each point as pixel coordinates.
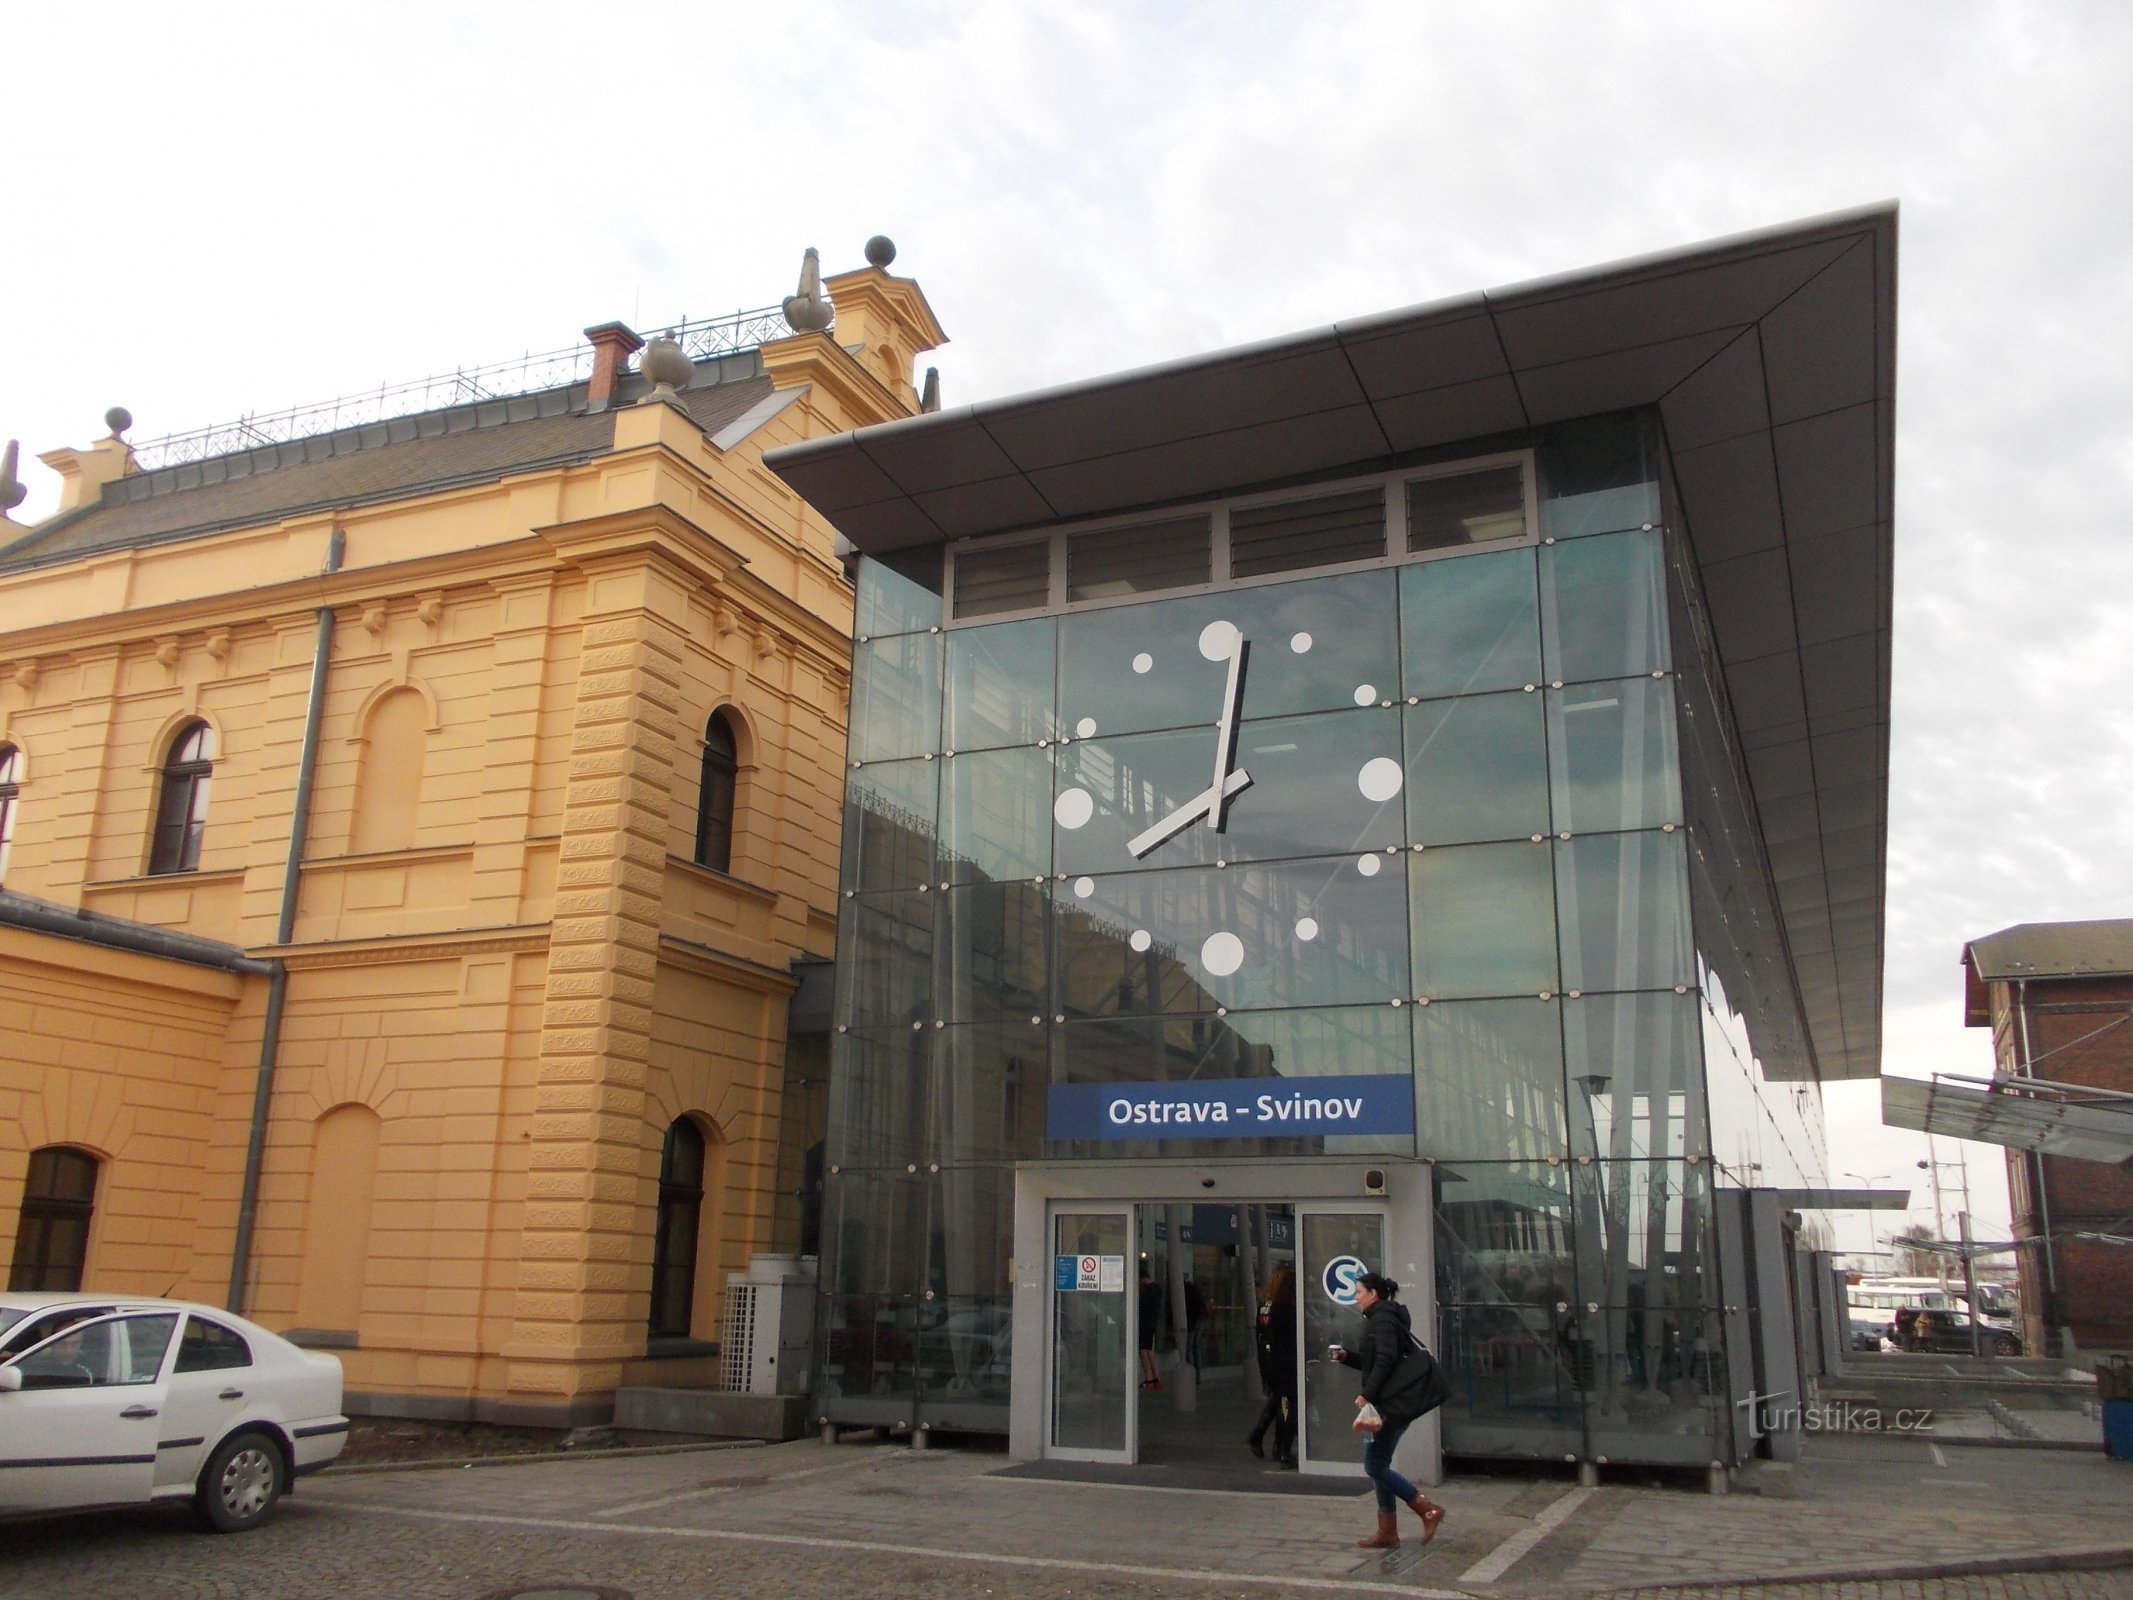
(415, 835)
(2058, 997)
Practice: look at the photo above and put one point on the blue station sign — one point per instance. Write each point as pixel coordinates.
(1231, 1108)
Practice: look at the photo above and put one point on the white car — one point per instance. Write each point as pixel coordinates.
(116, 1399)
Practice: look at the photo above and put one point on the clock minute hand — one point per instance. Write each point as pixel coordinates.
(1200, 805)
(1226, 735)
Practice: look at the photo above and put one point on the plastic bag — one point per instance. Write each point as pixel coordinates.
(1367, 1419)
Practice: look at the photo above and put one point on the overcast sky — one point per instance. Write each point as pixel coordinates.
(217, 209)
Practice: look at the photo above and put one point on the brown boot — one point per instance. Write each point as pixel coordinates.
(1388, 1535)
(1429, 1511)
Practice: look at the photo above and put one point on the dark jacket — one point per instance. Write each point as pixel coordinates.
(1276, 1337)
(1399, 1378)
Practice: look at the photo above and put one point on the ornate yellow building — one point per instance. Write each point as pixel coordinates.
(414, 835)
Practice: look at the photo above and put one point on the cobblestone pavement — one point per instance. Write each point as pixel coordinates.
(822, 1523)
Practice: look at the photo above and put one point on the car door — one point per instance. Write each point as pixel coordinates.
(210, 1388)
(82, 1429)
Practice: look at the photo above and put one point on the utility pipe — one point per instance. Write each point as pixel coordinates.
(284, 929)
(2044, 1205)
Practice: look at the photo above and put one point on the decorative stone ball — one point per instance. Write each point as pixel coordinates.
(12, 493)
(118, 419)
(881, 250)
(666, 363)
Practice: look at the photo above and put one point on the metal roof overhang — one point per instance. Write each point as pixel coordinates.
(2004, 1116)
(1771, 360)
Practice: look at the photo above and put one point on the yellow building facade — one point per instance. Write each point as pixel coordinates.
(493, 1087)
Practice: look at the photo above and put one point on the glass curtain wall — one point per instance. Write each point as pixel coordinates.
(1460, 860)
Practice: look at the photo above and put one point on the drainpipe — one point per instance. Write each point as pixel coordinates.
(284, 929)
(2044, 1205)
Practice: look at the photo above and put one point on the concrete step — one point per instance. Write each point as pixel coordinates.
(712, 1412)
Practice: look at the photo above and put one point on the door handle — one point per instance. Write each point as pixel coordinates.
(136, 1413)
(231, 1394)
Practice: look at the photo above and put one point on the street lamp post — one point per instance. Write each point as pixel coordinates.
(1933, 1164)
(1868, 1182)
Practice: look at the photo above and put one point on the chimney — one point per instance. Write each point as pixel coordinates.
(83, 473)
(613, 344)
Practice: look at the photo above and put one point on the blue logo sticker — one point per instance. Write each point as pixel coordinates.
(1340, 1278)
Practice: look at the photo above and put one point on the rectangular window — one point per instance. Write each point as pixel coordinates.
(1460, 508)
(1318, 532)
(1016, 577)
(1174, 554)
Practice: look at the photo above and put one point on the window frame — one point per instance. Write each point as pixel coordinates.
(10, 798)
(173, 845)
(672, 1279)
(712, 829)
(48, 1209)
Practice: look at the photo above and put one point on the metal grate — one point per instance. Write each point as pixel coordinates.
(1295, 534)
(737, 1342)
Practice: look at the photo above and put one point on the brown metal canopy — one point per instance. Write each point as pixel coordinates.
(1771, 360)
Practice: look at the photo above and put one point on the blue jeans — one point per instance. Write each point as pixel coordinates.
(1393, 1490)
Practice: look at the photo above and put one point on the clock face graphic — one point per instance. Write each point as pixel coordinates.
(1287, 780)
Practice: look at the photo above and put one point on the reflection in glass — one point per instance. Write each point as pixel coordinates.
(1448, 510)
(1611, 755)
(988, 1092)
(1644, 1224)
(1489, 1079)
(1314, 645)
(878, 1098)
(1598, 474)
(878, 1223)
(990, 580)
(1484, 921)
(1622, 905)
(868, 1342)
(1476, 769)
(1000, 684)
(1090, 1329)
(966, 1344)
(1470, 624)
(1603, 607)
(889, 601)
(1636, 1076)
(885, 960)
(1142, 558)
(993, 950)
(997, 820)
(896, 697)
(1662, 1395)
(889, 825)
(1329, 1389)
(1314, 791)
(1300, 933)
(1278, 1046)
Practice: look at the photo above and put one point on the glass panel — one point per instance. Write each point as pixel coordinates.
(1318, 532)
(1329, 1318)
(896, 698)
(889, 825)
(1477, 769)
(1635, 1075)
(1318, 785)
(875, 1226)
(1598, 475)
(1489, 1076)
(877, 1110)
(1470, 624)
(1000, 684)
(1016, 577)
(1113, 562)
(1641, 1224)
(1284, 1048)
(869, 1353)
(1466, 508)
(1484, 922)
(1603, 607)
(1089, 1333)
(999, 815)
(885, 960)
(889, 601)
(1611, 755)
(1312, 646)
(1623, 910)
(993, 952)
(1304, 933)
(988, 1098)
(1661, 1389)
(1504, 1255)
(966, 1343)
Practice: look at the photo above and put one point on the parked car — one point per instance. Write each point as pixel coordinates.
(1938, 1328)
(116, 1400)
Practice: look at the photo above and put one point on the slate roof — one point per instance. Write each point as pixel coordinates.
(475, 443)
(2053, 950)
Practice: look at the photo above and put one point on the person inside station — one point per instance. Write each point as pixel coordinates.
(1151, 1311)
(1274, 1337)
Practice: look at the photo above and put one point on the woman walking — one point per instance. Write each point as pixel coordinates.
(1400, 1382)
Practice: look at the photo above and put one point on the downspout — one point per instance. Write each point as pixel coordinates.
(255, 1150)
(2044, 1205)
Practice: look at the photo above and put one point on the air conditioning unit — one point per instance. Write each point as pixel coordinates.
(768, 1339)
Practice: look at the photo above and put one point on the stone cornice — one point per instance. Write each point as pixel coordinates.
(687, 953)
(819, 359)
(390, 948)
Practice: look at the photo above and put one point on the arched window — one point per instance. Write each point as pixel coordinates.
(681, 1204)
(714, 807)
(181, 808)
(10, 789)
(52, 1237)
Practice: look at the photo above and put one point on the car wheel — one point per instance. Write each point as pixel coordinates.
(240, 1483)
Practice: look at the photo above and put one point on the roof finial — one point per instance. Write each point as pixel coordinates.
(881, 250)
(118, 419)
(12, 488)
(808, 311)
(668, 366)
(930, 397)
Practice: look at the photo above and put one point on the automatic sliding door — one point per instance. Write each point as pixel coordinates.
(1336, 1248)
(1091, 1357)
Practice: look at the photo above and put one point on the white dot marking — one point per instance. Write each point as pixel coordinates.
(1218, 640)
(1143, 661)
(1084, 887)
(1380, 779)
(1307, 928)
(1366, 694)
(1140, 939)
(1300, 643)
(1222, 954)
(1085, 728)
(1367, 866)
(1074, 808)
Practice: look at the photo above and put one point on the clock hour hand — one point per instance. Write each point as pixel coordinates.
(1204, 804)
